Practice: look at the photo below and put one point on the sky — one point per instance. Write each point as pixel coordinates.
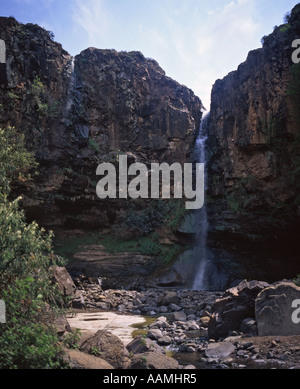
(196, 42)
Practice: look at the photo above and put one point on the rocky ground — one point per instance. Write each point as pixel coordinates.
(178, 335)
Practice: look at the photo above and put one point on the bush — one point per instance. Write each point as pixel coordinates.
(15, 160)
(26, 340)
(140, 221)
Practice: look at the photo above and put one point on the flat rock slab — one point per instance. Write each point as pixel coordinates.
(119, 325)
(276, 310)
(120, 270)
(219, 350)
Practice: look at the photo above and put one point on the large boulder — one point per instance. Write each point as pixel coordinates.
(233, 307)
(168, 298)
(63, 280)
(108, 346)
(79, 360)
(275, 308)
(153, 360)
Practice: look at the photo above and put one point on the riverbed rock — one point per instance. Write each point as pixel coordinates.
(109, 347)
(63, 280)
(219, 350)
(204, 321)
(168, 298)
(62, 325)
(141, 345)
(274, 310)
(178, 316)
(153, 360)
(248, 326)
(79, 360)
(165, 340)
(155, 334)
(237, 304)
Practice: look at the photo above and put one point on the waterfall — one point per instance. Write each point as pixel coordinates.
(200, 250)
(71, 87)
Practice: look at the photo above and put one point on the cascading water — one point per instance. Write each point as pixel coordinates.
(71, 87)
(200, 249)
(209, 274)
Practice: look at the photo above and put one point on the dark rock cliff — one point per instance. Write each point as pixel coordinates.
(254, 142)
(77, 113)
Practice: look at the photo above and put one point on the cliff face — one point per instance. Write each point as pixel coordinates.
(77, 113)
(254, 144)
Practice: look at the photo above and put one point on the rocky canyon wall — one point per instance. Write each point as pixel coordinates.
(254, 142)
(79, 112)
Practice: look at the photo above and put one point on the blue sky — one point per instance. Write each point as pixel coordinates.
(194, 41)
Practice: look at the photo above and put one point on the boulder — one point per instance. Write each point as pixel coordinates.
(204, 321)
(109, 347)
(63, 280)
(233, 307)
(276, 311)
(249, 326)
(165, 341)
(79, 360)
(155, 334)
(168, 298)
(141, 345)
(219, 350)
(62, 325)
(153, 360)
(178, 316)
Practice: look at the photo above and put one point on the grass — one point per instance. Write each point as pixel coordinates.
(66, 247)
(148, 245)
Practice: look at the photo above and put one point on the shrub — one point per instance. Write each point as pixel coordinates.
(26, 340)
(15, 160)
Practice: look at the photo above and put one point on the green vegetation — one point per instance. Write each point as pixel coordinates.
(66, 247)
(241, 197)
(72, 338)
(93, 145)
(38, 93)
(285, 28)
(15, 161)
(140, 221)
(148, 245)
(133, 232)
(297, 280)
(95, 352)
(27, 340)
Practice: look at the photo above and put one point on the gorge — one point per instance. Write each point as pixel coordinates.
(145, 256)
(78, 112)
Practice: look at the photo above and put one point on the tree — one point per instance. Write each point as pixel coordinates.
(26, 340)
